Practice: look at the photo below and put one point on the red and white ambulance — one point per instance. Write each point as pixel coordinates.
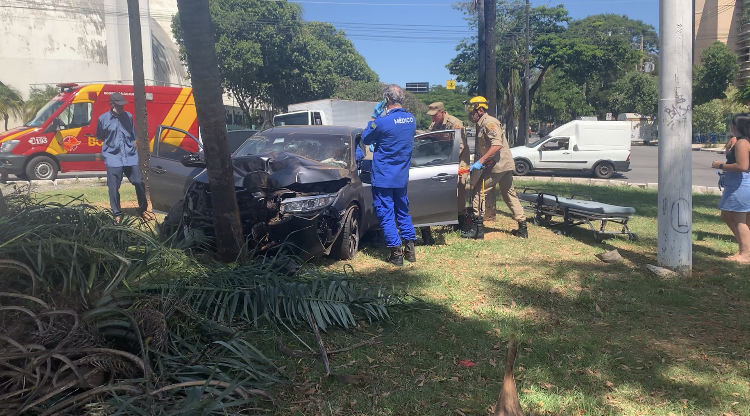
(62, 135)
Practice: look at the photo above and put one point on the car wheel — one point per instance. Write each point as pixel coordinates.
(604, 170)
(42, 168)
(348, 243)
(172, 221)
(522, 168)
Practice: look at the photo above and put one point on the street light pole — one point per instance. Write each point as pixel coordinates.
(526, 80)
(675, 136)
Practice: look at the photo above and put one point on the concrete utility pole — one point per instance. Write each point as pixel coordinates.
(675, 249)
(139, 92)
(481, 48)
(526, 80)
(490, 93)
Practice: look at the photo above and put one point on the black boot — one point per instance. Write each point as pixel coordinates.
(461, 223)
(522, 231)
(476, 231)
(409, 253)
(397, 257)
(426, 237)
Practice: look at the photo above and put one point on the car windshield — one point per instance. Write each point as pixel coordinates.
(534, 144)
(44, 113)
(330, 150)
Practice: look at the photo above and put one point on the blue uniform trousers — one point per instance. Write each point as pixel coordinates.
(114, 179)
(392, 207)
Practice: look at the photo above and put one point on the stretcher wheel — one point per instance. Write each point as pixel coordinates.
(599, 237)
(537, 220)
(633, 237)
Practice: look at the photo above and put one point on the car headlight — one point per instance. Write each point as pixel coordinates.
(8, 146)
(307, 203)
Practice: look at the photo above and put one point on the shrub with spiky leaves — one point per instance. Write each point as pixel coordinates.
(103, 318)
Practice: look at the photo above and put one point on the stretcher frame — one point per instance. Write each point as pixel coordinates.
(544, 214)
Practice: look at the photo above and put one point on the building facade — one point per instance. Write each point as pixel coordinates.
(722, 20)
(85, 41)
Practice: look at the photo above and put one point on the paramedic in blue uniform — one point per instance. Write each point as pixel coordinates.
(391, 137)
(116, 130)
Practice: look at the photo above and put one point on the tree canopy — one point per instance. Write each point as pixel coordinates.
(593, 60)
(11, 103)
(635, 92)
(715, 73)
(268, 54)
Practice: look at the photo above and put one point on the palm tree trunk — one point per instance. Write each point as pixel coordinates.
(206, 80)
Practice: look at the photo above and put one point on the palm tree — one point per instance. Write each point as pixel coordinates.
(11, 103)
(38, 98)
(203, 64)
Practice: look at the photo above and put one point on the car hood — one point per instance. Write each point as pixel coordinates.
(284, 170)
(13, 132)
(520, 151)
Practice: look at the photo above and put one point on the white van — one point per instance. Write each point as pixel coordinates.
(601, 147)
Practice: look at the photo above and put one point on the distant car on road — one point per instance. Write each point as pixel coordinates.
(303, 185)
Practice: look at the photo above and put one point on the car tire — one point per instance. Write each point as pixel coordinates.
(522, 168)
(172, 221)
(347, 245)
(604, 170)
(41, 168)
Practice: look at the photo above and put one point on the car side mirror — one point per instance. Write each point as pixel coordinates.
(193, 160)
(575, 147)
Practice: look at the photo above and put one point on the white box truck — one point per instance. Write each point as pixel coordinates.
(642, 128)
(329, 112)
(600, 147)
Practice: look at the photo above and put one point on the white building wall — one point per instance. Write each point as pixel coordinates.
(84, 41)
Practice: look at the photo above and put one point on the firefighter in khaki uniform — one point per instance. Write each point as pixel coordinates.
(441, 120)
(494, 166)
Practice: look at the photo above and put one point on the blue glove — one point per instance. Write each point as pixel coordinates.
(372, 148)
(476, 166)
(379, 107)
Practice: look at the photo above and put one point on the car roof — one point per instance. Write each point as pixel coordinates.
(306, 129)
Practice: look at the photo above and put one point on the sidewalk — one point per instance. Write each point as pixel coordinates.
(698, 147)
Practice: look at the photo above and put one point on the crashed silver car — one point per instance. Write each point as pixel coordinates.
(303, 187)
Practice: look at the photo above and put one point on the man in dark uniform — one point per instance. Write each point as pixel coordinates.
(116, 130)
(494, 166)
(441, 120)
(392, 138)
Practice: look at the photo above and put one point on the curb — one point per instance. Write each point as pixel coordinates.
(710, 190)
(101, 181)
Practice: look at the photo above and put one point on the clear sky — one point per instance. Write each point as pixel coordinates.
(413, 40)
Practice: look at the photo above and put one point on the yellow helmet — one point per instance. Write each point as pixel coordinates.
(476, 102)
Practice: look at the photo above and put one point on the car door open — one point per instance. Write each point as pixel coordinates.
(433, 178)
(168, 177)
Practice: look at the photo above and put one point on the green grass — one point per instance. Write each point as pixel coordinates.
(595, 339)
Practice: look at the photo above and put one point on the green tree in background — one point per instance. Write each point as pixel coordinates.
(359, 90)
(11, 103)
(715, 116)
(38, 98)
(269, 55)
(635, 92)
(453, 100)
(560, 100)
(715, 73)
(709, 118)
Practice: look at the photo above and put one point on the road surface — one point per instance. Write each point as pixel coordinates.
(644, 167)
